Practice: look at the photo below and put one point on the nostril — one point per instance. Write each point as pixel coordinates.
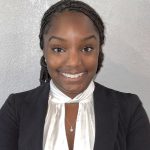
(74, 59)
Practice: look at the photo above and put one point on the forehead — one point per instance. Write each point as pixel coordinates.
(72, 20)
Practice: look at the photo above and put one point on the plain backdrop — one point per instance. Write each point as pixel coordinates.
(127, 48)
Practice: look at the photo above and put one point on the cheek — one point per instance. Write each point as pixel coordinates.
(91, 64)
(54, 63)
(51, 62)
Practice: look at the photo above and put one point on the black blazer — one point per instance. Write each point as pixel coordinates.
(121, 122)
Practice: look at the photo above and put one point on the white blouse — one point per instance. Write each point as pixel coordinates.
(54, 137)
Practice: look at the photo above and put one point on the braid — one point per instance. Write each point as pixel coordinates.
(69, 5)
(44, 75)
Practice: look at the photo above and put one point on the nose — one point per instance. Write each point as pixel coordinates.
(74, 58)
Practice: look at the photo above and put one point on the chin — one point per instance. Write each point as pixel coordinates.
(73, 91)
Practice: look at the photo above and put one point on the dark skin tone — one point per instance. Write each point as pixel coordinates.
(71, 50)
(71, 117)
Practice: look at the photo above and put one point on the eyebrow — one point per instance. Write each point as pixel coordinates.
(56, 38)
(61, 39)
(90, 37)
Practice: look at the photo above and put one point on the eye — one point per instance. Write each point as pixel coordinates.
(87, 49)
(58, 50)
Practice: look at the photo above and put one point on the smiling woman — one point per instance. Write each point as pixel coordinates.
(69, 110)
(71, 49)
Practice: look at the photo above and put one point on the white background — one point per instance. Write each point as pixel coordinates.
(127, 48)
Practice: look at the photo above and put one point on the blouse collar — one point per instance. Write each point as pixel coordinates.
(60, 97)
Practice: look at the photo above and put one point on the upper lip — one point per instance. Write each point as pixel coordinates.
(73, 73)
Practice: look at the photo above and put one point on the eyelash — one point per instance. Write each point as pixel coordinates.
(86, 49)
(58, 50)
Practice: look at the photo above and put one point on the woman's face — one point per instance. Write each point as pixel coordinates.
(71, 49)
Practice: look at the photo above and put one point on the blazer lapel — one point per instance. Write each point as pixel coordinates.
(31, 137)
(106, 118)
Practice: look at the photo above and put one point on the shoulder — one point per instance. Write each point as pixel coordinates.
(26, 98)
(26, 95)
(120, 97)
(32, 92)
(126, 103)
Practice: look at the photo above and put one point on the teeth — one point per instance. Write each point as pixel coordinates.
(72, 75)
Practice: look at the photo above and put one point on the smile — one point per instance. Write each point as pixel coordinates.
(72, 76)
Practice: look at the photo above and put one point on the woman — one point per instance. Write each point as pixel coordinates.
(69, 110)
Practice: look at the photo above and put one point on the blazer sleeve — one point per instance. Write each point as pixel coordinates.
(138, 136)
(9, 125)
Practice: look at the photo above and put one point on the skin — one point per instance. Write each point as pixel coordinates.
(71, 46)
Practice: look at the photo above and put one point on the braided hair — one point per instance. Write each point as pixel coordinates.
(69, 5)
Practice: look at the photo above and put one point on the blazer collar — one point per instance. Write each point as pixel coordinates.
(32, 126)
(106, 118)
